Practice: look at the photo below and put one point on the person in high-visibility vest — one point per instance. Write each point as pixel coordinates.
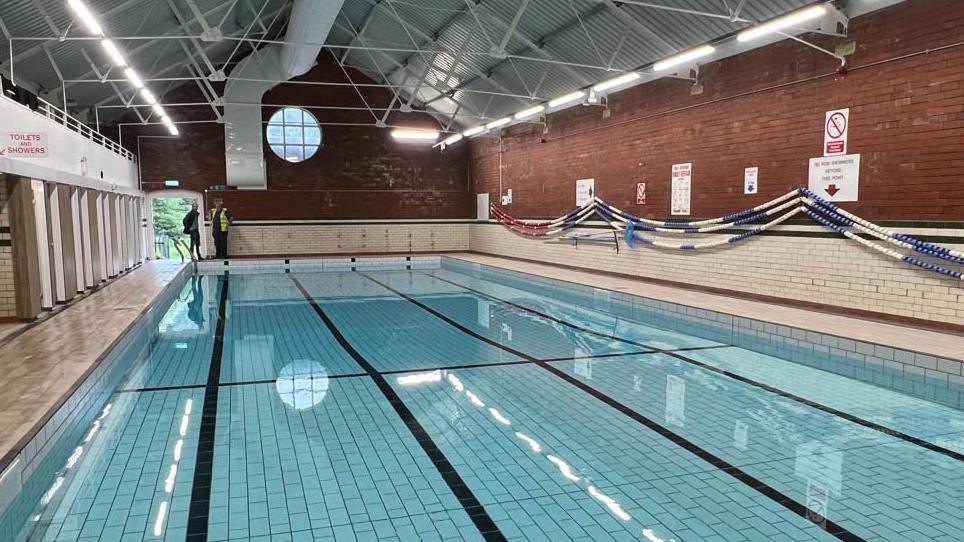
(220, 221)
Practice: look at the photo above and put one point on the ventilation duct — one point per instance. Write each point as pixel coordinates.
(308, 27)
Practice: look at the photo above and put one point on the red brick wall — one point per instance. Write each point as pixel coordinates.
(763, 108)
(359, 173)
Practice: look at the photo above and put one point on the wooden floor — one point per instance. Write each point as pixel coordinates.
(946, 345)
(42, 364)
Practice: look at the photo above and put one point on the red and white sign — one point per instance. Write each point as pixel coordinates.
(680, 200)
(835, 129)
(640, 193)
(23, 144)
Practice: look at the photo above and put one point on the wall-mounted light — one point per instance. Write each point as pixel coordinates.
(407, 134)
(780, 23)
(498, 123)
(683, 58)
(531, 112)
(454, 138)
(567, 99)
(615, 82)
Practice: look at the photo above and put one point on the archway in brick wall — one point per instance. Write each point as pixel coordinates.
(151, 233)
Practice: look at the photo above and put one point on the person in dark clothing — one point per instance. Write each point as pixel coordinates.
(192, 227)
(220, 221)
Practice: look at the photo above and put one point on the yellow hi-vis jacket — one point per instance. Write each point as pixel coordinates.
(225, 222)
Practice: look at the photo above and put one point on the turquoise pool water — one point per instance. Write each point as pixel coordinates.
(452, 404)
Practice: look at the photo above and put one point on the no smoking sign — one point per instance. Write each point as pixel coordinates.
(835, 131)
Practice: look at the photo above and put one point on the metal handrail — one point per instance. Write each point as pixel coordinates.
(55, 114)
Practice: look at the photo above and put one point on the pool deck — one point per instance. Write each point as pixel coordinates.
(44, 363)
(935, 343)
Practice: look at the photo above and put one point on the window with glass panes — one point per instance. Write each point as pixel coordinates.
(293, 134)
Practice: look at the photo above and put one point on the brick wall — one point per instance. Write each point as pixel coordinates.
(359, 173)
(763, 108)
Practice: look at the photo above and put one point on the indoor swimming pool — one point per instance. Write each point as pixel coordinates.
(434, 399)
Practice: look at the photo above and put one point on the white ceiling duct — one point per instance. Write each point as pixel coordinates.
(308, 27)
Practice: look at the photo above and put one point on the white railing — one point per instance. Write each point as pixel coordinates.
(55, 114)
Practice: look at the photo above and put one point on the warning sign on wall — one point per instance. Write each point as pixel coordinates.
(585, 191)
(835, 129)
(640, 193)
(835, 178)
(682, 177)
(23, 144)
(750, 178)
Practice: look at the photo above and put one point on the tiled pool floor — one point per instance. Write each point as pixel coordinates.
(435, 405)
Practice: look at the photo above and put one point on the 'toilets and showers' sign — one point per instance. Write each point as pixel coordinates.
(17, 144)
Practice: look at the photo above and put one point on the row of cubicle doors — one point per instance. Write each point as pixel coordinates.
(74, 237)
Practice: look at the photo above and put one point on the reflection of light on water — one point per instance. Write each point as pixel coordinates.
(456, 383)
(420, 378)
(302, 384)
(536, 447)
(474, 398)
(651, 536)
(499, 417)
(564, 468)
(610, 503)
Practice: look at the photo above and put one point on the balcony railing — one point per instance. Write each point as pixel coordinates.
(55, 114)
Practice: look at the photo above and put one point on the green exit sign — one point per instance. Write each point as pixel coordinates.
(172, 182)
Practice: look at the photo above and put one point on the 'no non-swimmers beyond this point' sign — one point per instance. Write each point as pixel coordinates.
(835, 178)
(23, 144)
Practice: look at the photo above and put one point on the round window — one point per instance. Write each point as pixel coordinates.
(293, 134)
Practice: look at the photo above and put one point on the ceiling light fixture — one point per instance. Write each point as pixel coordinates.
(780, 23)
(86, 17)
(134, 78)
(114, 53)
(148, 96)
(473, 131)
(683, 58)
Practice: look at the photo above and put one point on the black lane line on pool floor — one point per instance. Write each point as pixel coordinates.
(753, 482)
(424, 369)
(198, 513)
(480, 517)
(766, 387)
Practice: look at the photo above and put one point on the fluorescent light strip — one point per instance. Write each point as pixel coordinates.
(159, 111)
(415, 135)
(473, 131)
(531, 112)
(455, 138)
(683, 58)
(616, 81)
(498, 123)
(114, 53)
(148, 96)
(134, 78)
(567, 99)
(793, 19)
(86, 17)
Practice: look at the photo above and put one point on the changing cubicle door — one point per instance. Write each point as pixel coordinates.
(55, 245)
(43, 244)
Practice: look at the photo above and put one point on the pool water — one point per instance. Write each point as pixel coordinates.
(441, 404)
